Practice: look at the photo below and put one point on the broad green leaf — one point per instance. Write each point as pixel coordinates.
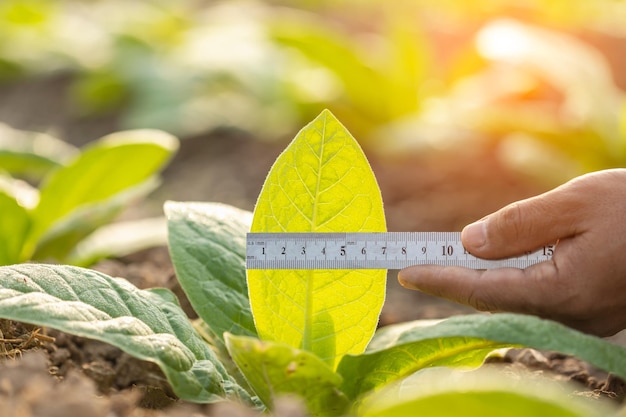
(465, 341)
(274, 369)
(146, 324)
(119, 239)
(371, 371)
(108, 167)
(17, 197)
(446, 393)
(63, 237)
(207, 244)
(322, 182)
(31, 154)
(14, 224)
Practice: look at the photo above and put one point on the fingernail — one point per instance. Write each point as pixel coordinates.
(401, 279)
(404, 280)
(474, 235)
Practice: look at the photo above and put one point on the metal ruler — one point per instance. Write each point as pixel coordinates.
(391, 250)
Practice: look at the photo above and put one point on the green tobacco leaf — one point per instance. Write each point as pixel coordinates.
(14, 224)
(31, 154)
(119, 239)
(373, 370)
(146, 324)
(207, 244)
(322, 182)
(106, 168)
(63, 238)
(17, 197)
(275, 369)
(443, 392)
(465, 341)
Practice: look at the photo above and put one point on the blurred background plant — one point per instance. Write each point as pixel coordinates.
(538, 83)
(57, 202)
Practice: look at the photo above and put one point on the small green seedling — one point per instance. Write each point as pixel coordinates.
(309, 334)
(79, 191)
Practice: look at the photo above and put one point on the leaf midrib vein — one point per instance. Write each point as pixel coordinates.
(307, 336)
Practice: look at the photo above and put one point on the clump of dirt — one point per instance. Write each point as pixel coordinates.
(592, 382)
(27, 390)
(110, 369)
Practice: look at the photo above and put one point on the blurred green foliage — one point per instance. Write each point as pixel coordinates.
(538, 82)
(53, 196)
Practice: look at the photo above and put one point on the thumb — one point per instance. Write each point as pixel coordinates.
(525, 225)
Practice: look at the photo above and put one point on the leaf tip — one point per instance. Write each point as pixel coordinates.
(170, 206)
(327, 114)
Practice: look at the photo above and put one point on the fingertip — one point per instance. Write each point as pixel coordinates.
(474, 235)
(406, 277)
(415, 277)
(502, 289)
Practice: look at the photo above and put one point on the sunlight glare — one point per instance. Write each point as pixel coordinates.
(503, 39)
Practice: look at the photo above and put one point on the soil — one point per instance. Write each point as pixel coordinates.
(46, 373)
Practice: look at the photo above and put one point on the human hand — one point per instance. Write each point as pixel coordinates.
(582, 286)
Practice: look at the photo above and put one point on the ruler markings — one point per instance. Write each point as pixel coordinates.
(388, 250)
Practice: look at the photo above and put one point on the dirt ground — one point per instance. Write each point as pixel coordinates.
(47, 373)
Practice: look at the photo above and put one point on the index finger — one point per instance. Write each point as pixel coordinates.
(527, 291)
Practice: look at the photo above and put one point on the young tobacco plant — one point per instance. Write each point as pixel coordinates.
(287, 330)
(79, 192)
(307, 333)
(277, 333)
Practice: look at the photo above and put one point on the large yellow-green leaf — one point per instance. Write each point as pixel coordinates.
(322, 182)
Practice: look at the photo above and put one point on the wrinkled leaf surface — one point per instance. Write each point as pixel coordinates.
(146, 324)
(207, 244)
